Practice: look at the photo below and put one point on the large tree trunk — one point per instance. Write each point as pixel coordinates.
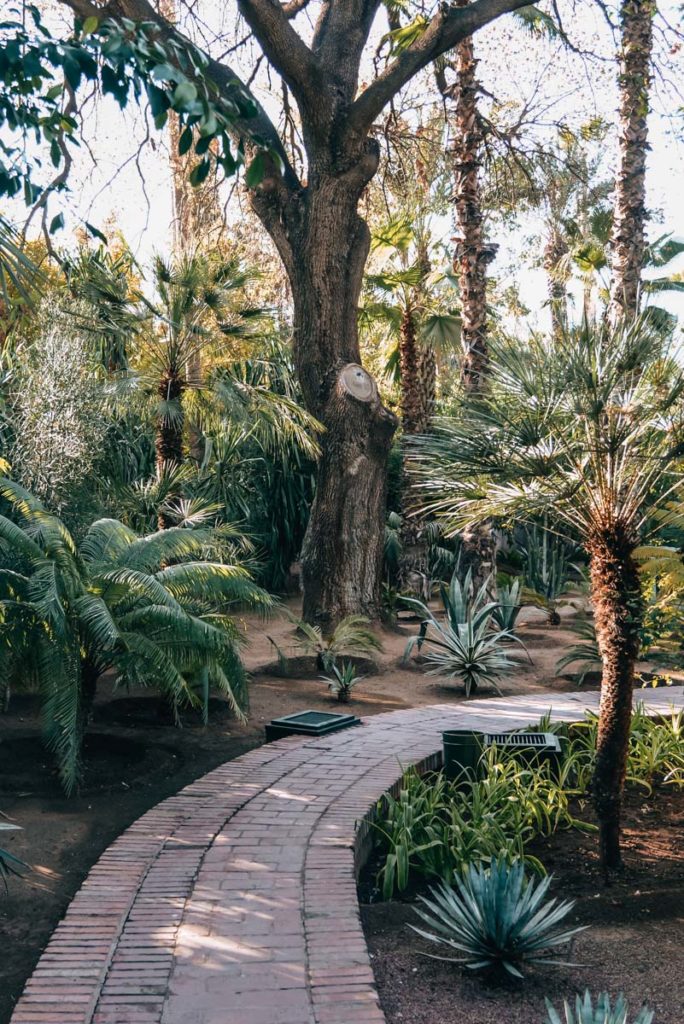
(617, 603)
(629, 242)
(324, 244)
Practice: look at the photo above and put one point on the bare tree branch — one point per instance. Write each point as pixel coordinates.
(447, 27)
(286, 50)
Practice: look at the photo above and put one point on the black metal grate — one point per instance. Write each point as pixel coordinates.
(542, 740)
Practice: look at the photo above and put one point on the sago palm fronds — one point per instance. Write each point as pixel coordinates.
(155, 609)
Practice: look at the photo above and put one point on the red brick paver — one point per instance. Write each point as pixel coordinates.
(234, 902)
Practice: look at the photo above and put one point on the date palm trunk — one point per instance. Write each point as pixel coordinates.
(418, 372)
(629, 241)
(471, 258)
(617, 604)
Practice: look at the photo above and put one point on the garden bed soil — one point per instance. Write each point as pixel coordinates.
(135, 757)
(634, 943)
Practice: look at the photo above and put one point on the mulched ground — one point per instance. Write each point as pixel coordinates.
(635, 943)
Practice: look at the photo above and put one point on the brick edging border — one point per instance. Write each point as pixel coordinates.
(234, 902)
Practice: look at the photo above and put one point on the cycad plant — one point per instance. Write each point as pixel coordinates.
(497, 917)
(352, 636)
(155, 609)
(586, 1011)
(589, 431)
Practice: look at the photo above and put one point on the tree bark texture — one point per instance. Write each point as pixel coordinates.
(418, 372)
(471, 255)
(617, 604)
(628, 243)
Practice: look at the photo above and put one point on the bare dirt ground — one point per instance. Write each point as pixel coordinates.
(135, 757)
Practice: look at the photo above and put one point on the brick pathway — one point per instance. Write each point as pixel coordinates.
(234, 902)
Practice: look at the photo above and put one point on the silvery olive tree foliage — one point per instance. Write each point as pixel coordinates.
(58, 413)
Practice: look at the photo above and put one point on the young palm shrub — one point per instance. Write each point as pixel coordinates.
(342, 681)
(156, 609)
(601, 1012)
(588, 431)
(497, 917)
(352, 636)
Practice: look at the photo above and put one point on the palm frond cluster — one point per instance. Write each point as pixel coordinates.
(156, 610)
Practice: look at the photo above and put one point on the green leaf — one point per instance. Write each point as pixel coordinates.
(56, 223)
(254, 174)
(184, 95)
(96, 233)
(90, 25)
(185, 141)
(199, 172)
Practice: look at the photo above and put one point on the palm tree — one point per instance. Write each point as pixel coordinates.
(413, 305)
(587, 431)
(629, 241)
(472, 254)
(155, 609)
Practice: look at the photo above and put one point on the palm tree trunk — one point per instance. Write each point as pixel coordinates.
(628, 242)
(617, 603)
(418, 376)
(554, 250)
(472, 255)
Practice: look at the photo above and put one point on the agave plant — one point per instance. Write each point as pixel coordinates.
(9, 864)
(601, 1012)
(470, 651)
(155, 609)
(497, 917)
(508, 606)
(351, 636)
(342, 681)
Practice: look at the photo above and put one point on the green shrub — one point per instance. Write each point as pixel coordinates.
(586, 1012)
(342, 681)
(433, 827)
(497, 917)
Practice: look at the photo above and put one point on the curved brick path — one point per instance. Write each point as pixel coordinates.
(234, 902)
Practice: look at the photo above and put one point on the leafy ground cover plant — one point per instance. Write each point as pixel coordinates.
(586, 1011)
(433, 827)
(497, 917)
(342, 681)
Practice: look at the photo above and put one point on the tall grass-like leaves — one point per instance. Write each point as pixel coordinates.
(498, 918)
(352, 636)
(586, 1011)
